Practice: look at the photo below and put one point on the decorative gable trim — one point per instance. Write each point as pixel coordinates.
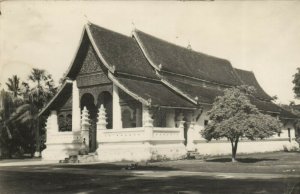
(138, 98)
(111, 69)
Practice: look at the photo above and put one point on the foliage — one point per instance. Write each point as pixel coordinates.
(19, 122)
(296, 125)
(296, 82)
(13, 86)
(233, 117)
(40, 88)
(292, 107)
(14, 136)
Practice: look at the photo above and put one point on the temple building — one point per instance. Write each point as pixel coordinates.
(142, 98)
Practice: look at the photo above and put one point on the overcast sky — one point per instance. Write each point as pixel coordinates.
(263, 37)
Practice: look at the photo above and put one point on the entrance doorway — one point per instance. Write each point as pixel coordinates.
(105, 98)
(87, 100)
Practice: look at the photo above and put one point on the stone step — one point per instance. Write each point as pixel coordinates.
(193, 155)
(85, 158)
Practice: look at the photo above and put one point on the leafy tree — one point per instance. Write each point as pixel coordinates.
(7, 107)
(12, 134)
(233, 117)
(296, 123)
(19, 123)
(13, 86)
(296, 82)
(40, 90)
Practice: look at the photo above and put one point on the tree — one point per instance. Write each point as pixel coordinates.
(19, 108)
(13, 86)
(233, 117)
(296, 82)
(7, 107)
(41, 89)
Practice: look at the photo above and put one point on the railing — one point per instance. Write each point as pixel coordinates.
(139, 134)
(167, 134)
(121, 135)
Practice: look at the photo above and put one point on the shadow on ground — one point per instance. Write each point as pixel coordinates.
(242, 160)
(87, 183)
(118, 166)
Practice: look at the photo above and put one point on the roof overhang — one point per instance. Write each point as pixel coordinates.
(66, 88)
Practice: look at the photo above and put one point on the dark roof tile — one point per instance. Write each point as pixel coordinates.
(180, 60)
(159, 94)
(122, 52)
(248, 78)
(205, 95)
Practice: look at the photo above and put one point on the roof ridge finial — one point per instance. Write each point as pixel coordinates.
(87, 20)
(189, 46)
(133, 28)
(133, 25)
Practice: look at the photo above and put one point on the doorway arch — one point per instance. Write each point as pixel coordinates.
(105, 98)
(87, 100)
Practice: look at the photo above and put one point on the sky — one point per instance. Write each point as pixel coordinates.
(260, 36)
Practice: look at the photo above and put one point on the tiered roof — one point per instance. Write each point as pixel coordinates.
(158, 73)
(248, 78)
(165, 56)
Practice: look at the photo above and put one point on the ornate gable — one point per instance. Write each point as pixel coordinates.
(90, 63)
(91, 72)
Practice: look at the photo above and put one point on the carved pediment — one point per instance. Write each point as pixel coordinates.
(90, 63)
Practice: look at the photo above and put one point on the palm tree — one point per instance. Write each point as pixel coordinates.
(36, 76)
(19, 122)
(13, 86)
(6, 109)
(40, 94)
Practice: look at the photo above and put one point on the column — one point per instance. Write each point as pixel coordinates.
(117, 118)
(190, 131)
(180, 124)
(147, 121)
(199, 124)
(52, 130)
(52, 124)
(75, 108)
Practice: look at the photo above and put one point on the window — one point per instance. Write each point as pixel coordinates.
(64, 122)
(69, 122)
(61, 122)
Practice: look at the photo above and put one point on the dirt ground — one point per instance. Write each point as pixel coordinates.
(277, 172)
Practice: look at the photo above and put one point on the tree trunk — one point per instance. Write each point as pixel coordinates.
(37, 142)
(37, 131)
(234, 149)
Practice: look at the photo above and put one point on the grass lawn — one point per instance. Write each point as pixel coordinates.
(255, 173)
(272, 162)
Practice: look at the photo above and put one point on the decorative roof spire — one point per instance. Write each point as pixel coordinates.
(133, 24)
(87, 20)
(189, 46)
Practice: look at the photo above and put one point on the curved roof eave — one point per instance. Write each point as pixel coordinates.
(132, 94)
(68, 72)
(256, 85)
(87, 32)
(63, 87)
(157, 67)
(176, 89)
(136, 37)
(91, 38)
